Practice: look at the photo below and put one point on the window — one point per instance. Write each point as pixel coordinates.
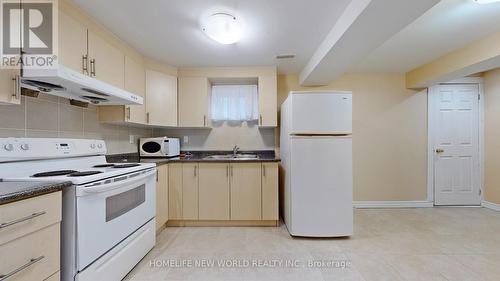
(234, 103)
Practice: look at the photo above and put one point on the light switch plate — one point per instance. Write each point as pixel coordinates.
(131, 139)
(185, 139)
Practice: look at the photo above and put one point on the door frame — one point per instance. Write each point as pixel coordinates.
(431, 132)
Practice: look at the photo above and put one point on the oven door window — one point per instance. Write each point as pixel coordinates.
(151, 147)
(121, 203)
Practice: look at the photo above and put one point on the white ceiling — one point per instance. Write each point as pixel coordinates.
(168, 30)
(449, 25)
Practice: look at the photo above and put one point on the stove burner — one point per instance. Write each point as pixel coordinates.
(126, 165)
(84, 173)
(103, 165)
(53, 173)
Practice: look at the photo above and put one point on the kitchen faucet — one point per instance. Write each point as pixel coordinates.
(235, 150)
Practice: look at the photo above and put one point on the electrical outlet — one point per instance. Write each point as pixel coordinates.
(131, 139)
(185, 139)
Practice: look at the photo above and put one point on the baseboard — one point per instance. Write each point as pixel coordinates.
(392, 204)
(492, 206)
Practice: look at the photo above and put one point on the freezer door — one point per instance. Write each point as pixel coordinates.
(321, 113)
(321, 186)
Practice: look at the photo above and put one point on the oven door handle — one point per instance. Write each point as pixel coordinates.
(113, 185)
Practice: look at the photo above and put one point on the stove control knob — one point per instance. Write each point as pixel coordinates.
(25, 146)
(8, 147)
(92, 146)
(99, 145)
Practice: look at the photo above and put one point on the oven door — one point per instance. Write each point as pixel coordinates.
(111, 210)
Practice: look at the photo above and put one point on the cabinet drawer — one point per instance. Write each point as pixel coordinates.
(32, 257)
(26, 216)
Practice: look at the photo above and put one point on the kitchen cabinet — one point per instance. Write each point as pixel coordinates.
(268, 113)
(72, 44)
(161, 99)
(35, 239)
(214, 191)
(183, 191)
(193, 101)
(106, 62)
(135, 82)
(246, 200)
(161, 196)
(270, 191)
(8, 92)
(190, 175)
(175, 191)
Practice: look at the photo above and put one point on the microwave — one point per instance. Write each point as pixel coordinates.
(159, 147)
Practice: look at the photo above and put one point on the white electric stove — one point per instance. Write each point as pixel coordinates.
(108, 215)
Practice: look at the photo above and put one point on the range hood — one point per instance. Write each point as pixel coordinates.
(70, 84)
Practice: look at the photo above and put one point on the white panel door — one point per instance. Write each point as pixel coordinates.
(321, 186)
(321, 113)
(456, 166)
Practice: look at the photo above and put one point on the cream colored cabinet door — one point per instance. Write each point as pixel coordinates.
(193, 101)
(72, 44)
(135, 82)
(161, 196)
(268, 110)
(214, 191)
(246, 190)
(270, 191)
(190, 175)
(161, 98)
(106, 62)
(8, 93)
(175, 191)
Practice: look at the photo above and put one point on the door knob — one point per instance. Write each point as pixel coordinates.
(439, 150)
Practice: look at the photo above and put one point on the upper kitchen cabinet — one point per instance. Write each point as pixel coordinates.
(268, 88)
(135, 82)
(193, 101)
(161, 101)
(9, 92)
(72, 44)
(105, 61)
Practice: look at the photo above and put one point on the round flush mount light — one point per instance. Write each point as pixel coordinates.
(222, 27)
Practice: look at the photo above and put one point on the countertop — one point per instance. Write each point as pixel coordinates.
(15, 191)
(196, 156)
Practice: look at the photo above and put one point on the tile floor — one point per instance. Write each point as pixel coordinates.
(393, 244)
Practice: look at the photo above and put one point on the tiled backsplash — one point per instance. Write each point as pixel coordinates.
(52, 117)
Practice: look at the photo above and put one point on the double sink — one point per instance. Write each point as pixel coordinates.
(232, 157)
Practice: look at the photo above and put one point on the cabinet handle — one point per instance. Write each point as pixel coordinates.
(260, 119)
(156, 175)
(227, 171)
(231, 171)
(92, 67)
(85, 63)
(147, 117)
(34, 215)
(204, 120)
(17, 87)
(21, 268)
(263, 170)
(128, 112)
(195, 168)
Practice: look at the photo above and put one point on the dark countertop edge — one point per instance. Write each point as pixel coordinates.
(167, 161)
(37, 190)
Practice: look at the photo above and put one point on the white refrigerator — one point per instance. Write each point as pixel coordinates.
(316, 155)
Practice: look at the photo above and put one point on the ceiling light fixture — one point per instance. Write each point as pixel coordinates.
(486, 1)
(222, 27)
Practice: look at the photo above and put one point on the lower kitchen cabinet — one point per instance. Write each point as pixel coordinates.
(270, 191)
(246, 196)
(161, 196)
(183, 191)
(214, 191)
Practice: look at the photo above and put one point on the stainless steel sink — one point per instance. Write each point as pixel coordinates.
(233, 157)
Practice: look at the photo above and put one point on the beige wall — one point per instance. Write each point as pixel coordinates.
(389, 134)
(492, 136)
(53, 117)
(224, 137)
